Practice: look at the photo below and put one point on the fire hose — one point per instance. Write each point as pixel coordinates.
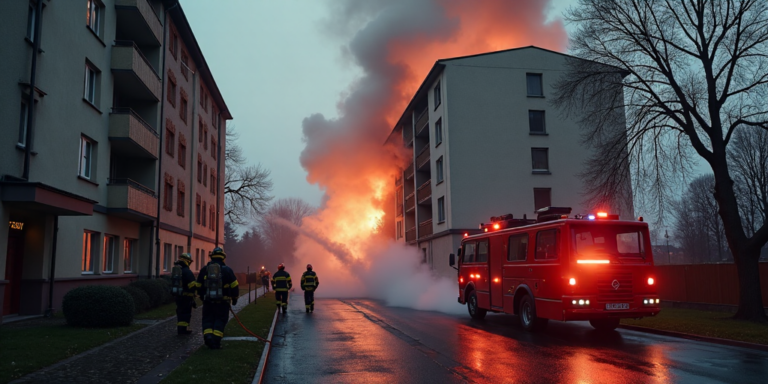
(246, 329)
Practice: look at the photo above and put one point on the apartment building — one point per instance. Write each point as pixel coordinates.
(486, 142)
(110, 120)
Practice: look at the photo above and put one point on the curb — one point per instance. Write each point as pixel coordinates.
(706, 339)
(259, 376)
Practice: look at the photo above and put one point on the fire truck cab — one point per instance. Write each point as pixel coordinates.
(591, 267)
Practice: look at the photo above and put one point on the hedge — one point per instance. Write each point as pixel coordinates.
(98, 306)
(157, 290)
(140, 298)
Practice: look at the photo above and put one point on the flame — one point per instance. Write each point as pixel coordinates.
(395, 43)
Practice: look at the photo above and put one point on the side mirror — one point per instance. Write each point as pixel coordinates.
(451, 260)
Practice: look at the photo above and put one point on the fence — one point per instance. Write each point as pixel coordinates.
(714, 284)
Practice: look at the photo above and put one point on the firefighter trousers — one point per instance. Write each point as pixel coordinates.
(282, 299)
(215, 317)
(309, 300)
(183, 311)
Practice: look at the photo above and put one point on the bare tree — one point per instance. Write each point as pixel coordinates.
(749, 161)
(246, 187)
(276, 226)
(697, 225)
(693, 72)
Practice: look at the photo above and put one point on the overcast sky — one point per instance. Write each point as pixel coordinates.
(275, 65)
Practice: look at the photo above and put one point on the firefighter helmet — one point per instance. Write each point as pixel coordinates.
(309, 267)
(280, 267)
(218, 253)
(186, 256)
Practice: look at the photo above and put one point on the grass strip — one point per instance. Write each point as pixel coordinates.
(704, 323)
(28, 349)
(162, 312)
(237, 360)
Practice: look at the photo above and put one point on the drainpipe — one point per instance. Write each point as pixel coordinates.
(32, 84)
(218, 175)
(160, 159)
(49, 311)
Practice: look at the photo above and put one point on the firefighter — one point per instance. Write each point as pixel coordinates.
(281, 283)
(309, 283)
(265, 279)
(217, 285)
(185, 287)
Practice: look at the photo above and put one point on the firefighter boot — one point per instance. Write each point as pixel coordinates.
(208, 340)
(182, 330)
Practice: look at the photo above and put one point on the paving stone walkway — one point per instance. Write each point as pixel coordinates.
(145, 356)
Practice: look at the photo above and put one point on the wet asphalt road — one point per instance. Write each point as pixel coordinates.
(363, 341)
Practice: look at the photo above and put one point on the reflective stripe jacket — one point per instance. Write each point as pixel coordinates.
(309, 281)
(281, 281)
(228, 281)
(188, 283)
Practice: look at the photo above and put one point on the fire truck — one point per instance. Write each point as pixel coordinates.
(591, 267)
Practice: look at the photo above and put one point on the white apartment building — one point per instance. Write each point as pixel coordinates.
(486, 142)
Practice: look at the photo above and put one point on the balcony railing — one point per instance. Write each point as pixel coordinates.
(409, 172)
(422, 121)
(424, 193)
(399, 209)
(425, 228)
(130, 198)
(130, 65)
(407, 135)
(410, 203)
(423, 158)
(399, 180)
(137, 20)
(410, 234)
(132, 135)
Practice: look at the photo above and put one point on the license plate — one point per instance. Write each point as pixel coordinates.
(615, 306)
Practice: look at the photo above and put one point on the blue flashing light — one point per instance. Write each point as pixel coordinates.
(591, 217)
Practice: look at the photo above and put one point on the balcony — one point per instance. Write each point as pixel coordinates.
(137, 21)
(410, 203)
(408, 136)
(422, 160)
(410, 235)
(399, 180)
(131, 135)
(425, 229)
(422, 124)
(424, 193)
(131, 200)
(399, 209)
(135, 78)
(409, 172)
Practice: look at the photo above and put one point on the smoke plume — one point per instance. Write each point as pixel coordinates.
(349, 240)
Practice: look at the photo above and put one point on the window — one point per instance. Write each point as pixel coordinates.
(203, 214)
(183, 108)
(31, 22)
(86, 155)
(171, 90)
(214, 113)
(91, 84)
(93, 19)
(108, 264)
(468, 253)
(197, 209)
(540, 157)
(518, 248)
(205, 174)
(536, 122)
(129, 246)
(167, 256)
(89, 251)
(205, 138)
(199, 171)
(439, 169)
(213, 184)
(184, 64)
(482, 252)
(23, 123)
(168, 200)
(178, 250)
(546, 245)
(200, 129)
(182, 154)
(170, 141)
(438, 132)
(180, 203)
(173, 45)
(202, 98)
(441, 210)
(399, 230)
(436, 95)
(542, 198)
(213, 147)
(533, 81)
(212, 221)
(589, 240)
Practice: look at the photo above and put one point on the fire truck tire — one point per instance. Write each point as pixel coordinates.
(528, 319)
(605, 324)
(474, 311)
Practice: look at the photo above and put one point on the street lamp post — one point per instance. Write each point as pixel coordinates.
(669, 257)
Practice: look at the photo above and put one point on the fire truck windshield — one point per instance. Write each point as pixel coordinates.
(591, 242)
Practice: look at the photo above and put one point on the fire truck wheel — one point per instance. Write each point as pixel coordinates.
(605, 324)
(528, 318)
(474, 311)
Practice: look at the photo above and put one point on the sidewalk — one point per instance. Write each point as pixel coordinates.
(144, 356)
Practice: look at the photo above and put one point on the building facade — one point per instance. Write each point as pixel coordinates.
(486, 142)
(98, 144)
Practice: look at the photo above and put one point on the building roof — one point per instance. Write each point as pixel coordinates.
(185, 31)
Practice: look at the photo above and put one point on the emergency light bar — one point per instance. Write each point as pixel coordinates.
(593, 261)
(505, 221)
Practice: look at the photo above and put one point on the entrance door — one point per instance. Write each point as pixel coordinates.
(13, 264)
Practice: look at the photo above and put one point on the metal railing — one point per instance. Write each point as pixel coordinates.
(424, 192)
(407, 135)
(129, 111)
(410, 203)
(410, 234)
(423, 157)
(425, 228)
(422, 121)
(130, 43)
(133, 184)
(409, 172)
